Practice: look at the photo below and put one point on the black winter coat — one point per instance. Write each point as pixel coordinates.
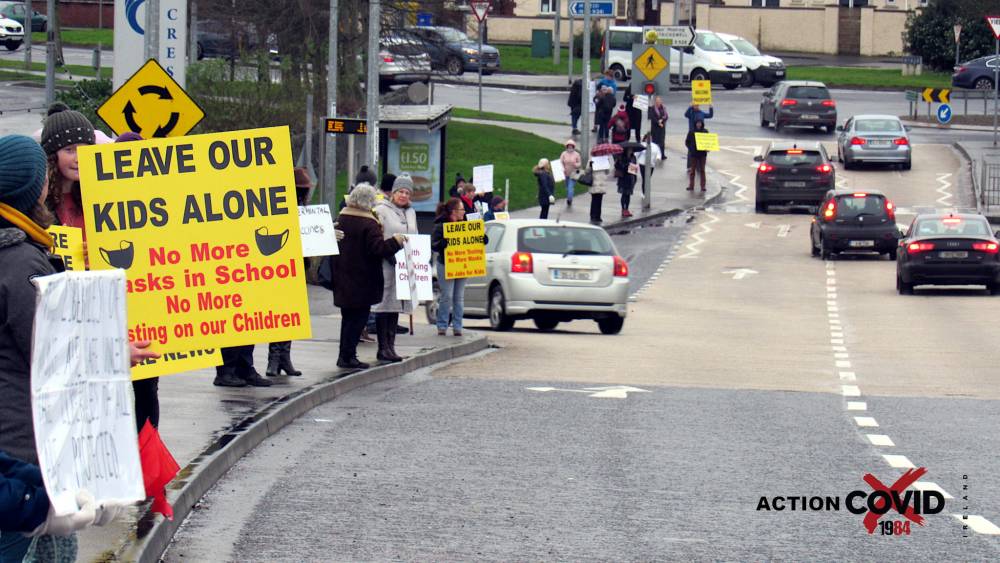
(546, 186)
(24, 503)
(357, 270)
(692, 145)
(575, 101)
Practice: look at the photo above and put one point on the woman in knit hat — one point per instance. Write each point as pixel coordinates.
(397, 217)
(64, 131)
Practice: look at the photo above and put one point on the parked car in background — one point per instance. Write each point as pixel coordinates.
(709, 58)
(15, 11)
(977, 73)
(404, 61)
(218, 40)
(800, 103)
(550, 272)
(793, 174)
(761, 69)
(874, 138)
(453, 51)
(11, 34)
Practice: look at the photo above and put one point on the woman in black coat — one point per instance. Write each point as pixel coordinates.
(546, 186)
(357, 270)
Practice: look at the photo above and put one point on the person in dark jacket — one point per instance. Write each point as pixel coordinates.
(451, 298)
(365, 176)
(634, 114)
(695, 114)
(546, 186)
(624, 166)
(604, 106)
(357, 270)
(619, 126)
(658, 124)
(575, 103)
(696, 158)
(458, 185)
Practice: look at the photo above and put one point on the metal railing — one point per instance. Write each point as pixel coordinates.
(989, 182)
(976, 96)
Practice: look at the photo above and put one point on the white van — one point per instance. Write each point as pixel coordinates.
(761, 69)
(709, 58)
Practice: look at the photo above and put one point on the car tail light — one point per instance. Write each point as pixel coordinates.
(824, 168)
(603, 44)
(786, 102)
(829, 103)
(830, 211)
(857, 141)
(387, 57)
(952, 221)
(890, 210)
(961, 69)
(901, 141)
(522, 263)
(764, 168)
(987, 247)
(621, 267)
(918, 247)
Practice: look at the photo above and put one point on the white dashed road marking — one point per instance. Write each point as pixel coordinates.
(880, 440)
(979, 524)
(865, 421)
(898, 461)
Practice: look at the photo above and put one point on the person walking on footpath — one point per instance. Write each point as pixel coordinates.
(546, 186)
(451, 299)
(696, 158)
(575, 103)
(604, 107)
(634, 114)
(695, 114)
(625, 178)
(601, 180)
(658, 124)
(357, 271)
(640, 159)
(570, 159)
(397, 217)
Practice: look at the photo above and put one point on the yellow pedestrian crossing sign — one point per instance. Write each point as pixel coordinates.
(151, 104)
(650, 63)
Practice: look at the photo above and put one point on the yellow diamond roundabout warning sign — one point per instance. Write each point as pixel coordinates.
(151, 104)
(650, 63)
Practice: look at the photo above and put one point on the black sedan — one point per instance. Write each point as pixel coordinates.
(793, 174)
(948, 249)
(977, 74)
(850, 221)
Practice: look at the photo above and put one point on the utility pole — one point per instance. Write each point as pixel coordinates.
(330, 141)
(150, 33)
(193, 35)
(556, 41)
(585, 86)
(569, 14)
(50, 54)
(27, 34)
(371, 83)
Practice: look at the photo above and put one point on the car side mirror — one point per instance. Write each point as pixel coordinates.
(840, 128)
(758, 158)
(689, 50)
(901, 232)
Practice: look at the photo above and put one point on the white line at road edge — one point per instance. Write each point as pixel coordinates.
(979, 524)
(693, 248)
(742, 188)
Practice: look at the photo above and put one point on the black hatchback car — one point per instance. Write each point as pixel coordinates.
(950, 249)
(793, 174)
(850, 221)
(798, 102)
(977, 73)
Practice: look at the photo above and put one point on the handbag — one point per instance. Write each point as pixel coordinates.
(586, 178)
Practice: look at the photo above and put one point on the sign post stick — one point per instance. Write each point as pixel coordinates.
(569, 74)
(648, 172)
(996, 91)
(585, 84)
(329, 184)
(371, 82)
(480, 66)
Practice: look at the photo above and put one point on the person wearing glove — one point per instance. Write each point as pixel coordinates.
(546, 186)
(86, 515)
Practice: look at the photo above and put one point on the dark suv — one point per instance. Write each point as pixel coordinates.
(854, 222)
(798, 102)
(453, 51)
(793, 174)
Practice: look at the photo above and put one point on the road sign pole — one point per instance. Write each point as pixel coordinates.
(329, 185)
(569, 74)
(27, 35)
(50, 54)
(556, 40)
(647, 173)
(480, 66)
(585, 85)
(996, 91)
(371, 83)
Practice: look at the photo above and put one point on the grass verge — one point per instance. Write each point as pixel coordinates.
(875, 78)
(80, 37)
(517, 58)
(75, 70)
(465, 113)
(516, 152)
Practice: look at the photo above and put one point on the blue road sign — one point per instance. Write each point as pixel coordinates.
(944, 114)
(424, 19)
(604, 8)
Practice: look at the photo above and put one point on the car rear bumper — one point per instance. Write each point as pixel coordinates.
(405, 77)
(526, 296)
(900, 153)
(839, 239)
(949, 273)
(768, 75)
(726, 76)
(964, 80)
(797, 119)
(803, 196)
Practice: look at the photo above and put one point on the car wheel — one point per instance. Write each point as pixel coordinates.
(777, 126)
(902, 287)
(454, 66)
(546, 324)
(747, 80)
(763, 122)
(611, 325)
(12, 45)
(848, 165)
(730, 86)
(760, 207)
(984, 83)
(813, 247)
(699, 74)
(907, 165)
(892, 254)
(619, 72)
(824, 252)
(499, 321)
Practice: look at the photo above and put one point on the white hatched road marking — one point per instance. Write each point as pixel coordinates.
(850, 390)
(865, 421)
(857, 405)
(944, 190)
(979, 524)
(848, 376)
(741, 187)
(706, 228)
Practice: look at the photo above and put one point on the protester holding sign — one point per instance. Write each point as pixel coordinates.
(658, 124)
(696, 158)
(357, 271)
(397, 217)
(451, 299)
(64, 131)
(695, 114)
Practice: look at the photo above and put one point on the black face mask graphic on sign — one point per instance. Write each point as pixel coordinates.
(269, 244)
(121, 258)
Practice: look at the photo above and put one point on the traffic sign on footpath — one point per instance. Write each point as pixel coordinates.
(912, 96)
(598, 8)
(944, 114)
(671, 35)
(936, 95)
(480, 8)
(994, 22)
(151, 104)
(652, 62)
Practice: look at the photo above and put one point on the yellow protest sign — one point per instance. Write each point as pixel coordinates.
(67, 244)
(177, 362)
(152, 104)
(706, 141)
(701, 92)
(465, 255)
(207, 228)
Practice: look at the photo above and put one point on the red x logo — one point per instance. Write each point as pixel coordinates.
(910, 477)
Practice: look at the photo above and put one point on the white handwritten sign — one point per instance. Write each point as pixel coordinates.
(602, 162)
(316, 224)
(558, 172)
(417, 269)
(81, 390)
(640, 102)
(482, 178)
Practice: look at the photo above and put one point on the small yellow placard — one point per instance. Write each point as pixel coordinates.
(465, 255)
(701, 92)
(67, 244)
(151, 104)
(207, 228)
(706, 141)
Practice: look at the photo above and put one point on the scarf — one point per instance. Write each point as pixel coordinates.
(30, 228)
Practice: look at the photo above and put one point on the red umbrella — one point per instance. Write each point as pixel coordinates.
(605, 149)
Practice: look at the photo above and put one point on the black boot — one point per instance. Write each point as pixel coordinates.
(393, 356)
(273, 359)
(385, 328)
(285, 359)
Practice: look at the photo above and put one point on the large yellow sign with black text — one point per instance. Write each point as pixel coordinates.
(465, 255)
(207, 228)
(151, 104)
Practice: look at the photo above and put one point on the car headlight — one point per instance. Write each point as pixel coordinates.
(471, 51)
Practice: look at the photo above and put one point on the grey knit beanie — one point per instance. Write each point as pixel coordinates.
(402, 182)
(22, 172)
(65, 127)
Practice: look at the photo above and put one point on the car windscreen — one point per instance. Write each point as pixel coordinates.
(710, 42)
(950, 226)
(745, 47)
(808, 93)
(623, 40)
(878, 126)
(555, 239)
(851, 206)
(795, 157)
(452, 35)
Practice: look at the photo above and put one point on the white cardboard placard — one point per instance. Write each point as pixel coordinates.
(482, 178)
(558, 172)
(602, 162)
(413, 269)
(316, 224)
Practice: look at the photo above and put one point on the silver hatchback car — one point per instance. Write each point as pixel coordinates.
(874, 138)
(550, 272)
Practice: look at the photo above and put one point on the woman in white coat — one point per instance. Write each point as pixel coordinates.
(397, 217)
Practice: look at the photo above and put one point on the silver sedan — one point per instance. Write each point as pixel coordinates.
(874, 138)
(549, 272)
